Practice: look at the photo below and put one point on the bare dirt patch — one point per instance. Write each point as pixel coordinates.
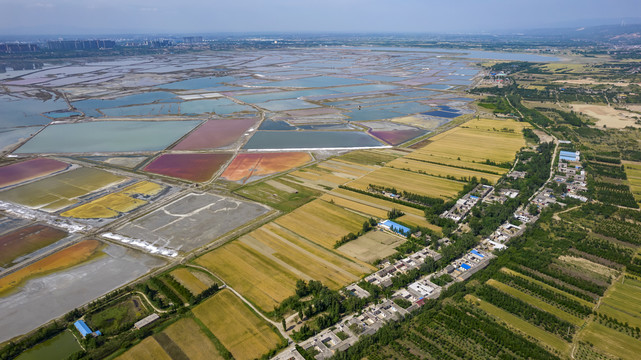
(607, 116)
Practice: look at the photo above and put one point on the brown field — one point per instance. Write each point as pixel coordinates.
(346, 169)
(63, 259)
(242, 332)
(321, 176)
(322, 222)
(189, 280)
(607, 116)
(447, 159)
(365, 210)
(412, 215)
(372, 246)
(236, 264)
(146, 349)
(411, 182)
(478, 140)
(245, 167)
(26, 240)
(297, 260)
(440, 170)
(265, 264)
(191, 340)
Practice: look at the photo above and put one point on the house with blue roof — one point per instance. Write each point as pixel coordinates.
(397, 228)
(84, 329)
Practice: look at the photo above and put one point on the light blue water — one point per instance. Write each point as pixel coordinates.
(26, 112)
(143, 110)
(472, 54)
(10, 137)
(89, 106)
(317, 81)
(199, 83)
(382, 78)
(220, 106)
(58, 115)
(108, 136)
(260, 98)
(288, 104)
(365, 88)
(438, 86)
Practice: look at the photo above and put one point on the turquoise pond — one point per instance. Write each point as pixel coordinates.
(108, 136)
(272, 140)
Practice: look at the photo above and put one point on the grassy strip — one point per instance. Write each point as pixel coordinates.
(219, 346)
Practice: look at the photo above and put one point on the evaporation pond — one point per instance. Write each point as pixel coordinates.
(89, 106)
(310, 140)
(26, 112)
(108, 136)
(316, 81)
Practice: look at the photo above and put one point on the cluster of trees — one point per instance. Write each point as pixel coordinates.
(530, 135)
(442, 280)
(458, 166)
(381, 196)
(313, 299)
(367, 226)
(615, 324)
(407, 196)
(615, 194)
(454, 326)
(545, 294)
(611, 171)
(604, 159)
(621, 230)
(542, 319)
(505, 165)
(568, 117)
(394, 213)
(160, 294)
(604, 249)
(550, 281)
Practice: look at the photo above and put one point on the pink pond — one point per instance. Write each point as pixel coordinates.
(396, 137)
(216, 134)
(192, 167)
(29, 170)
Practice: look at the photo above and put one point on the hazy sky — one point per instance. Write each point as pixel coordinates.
(193, 16)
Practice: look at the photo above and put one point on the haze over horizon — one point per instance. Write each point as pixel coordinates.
(52, 17)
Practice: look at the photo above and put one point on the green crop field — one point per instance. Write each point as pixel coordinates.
(535, 302)
(545, 338)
